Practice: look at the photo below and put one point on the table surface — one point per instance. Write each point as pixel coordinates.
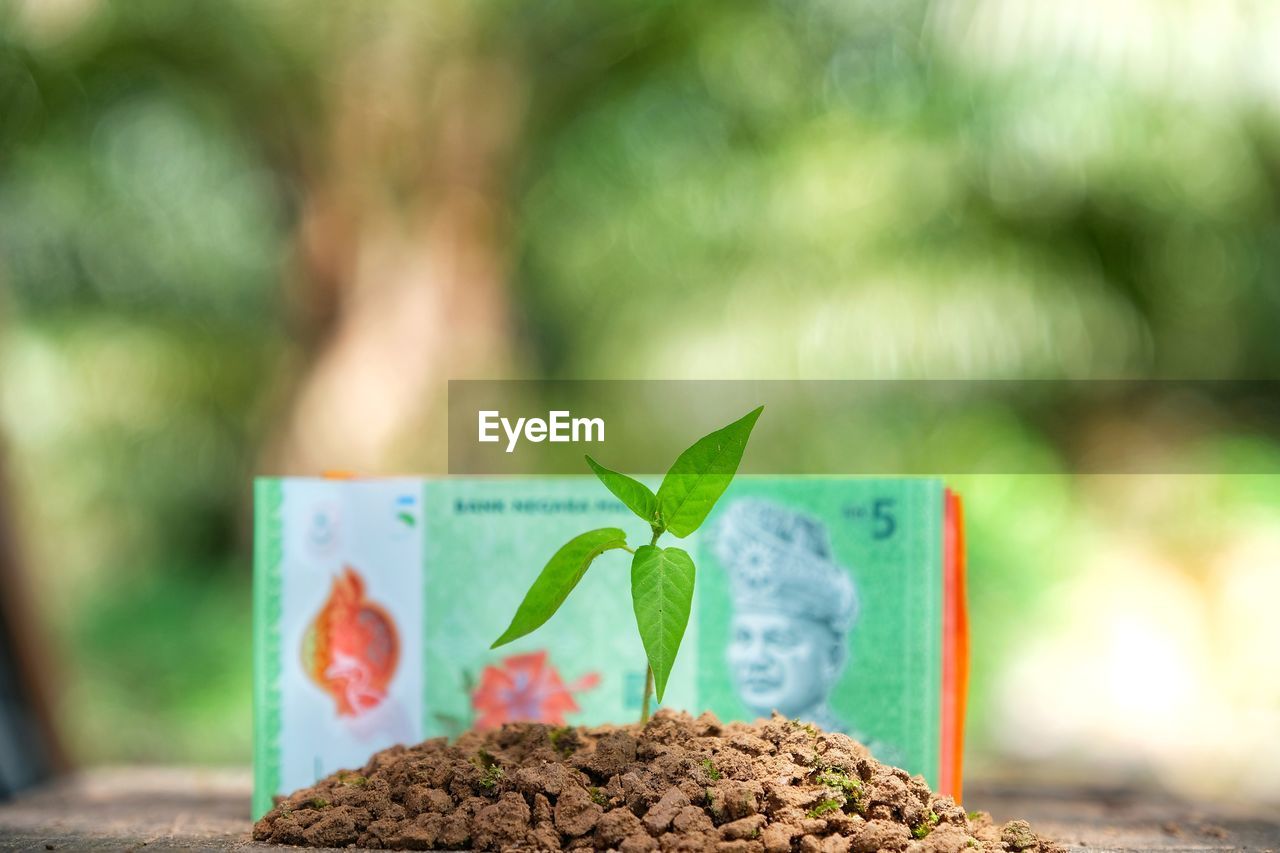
(208, 809)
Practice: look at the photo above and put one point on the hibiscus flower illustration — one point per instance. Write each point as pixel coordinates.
(526, 688)
(351, 648)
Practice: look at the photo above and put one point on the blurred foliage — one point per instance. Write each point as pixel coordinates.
(777, 190)
(834, 179)
(143, 228)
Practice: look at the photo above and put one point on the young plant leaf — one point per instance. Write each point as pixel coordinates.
(558, 578)
(700, 475)
(662, 595)
(636, 495)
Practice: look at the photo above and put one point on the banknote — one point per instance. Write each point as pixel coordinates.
(834, 601)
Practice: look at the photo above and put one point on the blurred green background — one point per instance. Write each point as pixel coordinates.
(259, 237)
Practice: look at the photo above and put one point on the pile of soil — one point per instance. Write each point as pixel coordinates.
(674, 784)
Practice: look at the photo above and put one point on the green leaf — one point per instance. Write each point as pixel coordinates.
(662, 595)
(636, 495)
(558, 578)
(700, 475)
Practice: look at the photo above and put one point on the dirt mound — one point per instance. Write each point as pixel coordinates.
(674, 784)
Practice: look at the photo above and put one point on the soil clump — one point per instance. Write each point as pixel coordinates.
(675, 785)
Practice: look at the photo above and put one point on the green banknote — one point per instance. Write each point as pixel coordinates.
(376, 603)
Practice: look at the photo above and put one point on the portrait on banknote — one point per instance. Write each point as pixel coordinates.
(792, 608)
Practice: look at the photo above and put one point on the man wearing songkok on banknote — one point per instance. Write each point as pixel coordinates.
(792, 609)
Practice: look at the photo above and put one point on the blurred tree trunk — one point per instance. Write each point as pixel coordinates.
(30, 749)
(402, 256)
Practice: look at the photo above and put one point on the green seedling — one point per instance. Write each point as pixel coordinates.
(825, 807)
(840, 781)
(925, 826)
(661, 578)
(558, 740)
(713, 772)
(849, 787)
(492, 774)
(492, 770)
